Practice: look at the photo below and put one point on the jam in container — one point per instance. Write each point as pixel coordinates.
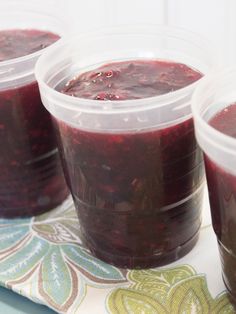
(31, 180)
(127, 145)
(214, 109)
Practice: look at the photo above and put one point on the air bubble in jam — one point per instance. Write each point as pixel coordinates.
(138, 194)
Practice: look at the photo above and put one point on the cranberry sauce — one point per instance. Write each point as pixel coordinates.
(31, 179)
(16, 43)
(131, 80)
(138, 194)
(222, 194)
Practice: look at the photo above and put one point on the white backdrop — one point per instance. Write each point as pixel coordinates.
(214, 19)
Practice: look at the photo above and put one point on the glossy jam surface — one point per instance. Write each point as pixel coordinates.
(31, 179)
(138, 194)
(222, 194)
(131, 80)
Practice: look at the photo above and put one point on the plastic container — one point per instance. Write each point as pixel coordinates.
(31, 180)
(213, 95)
(132, 166)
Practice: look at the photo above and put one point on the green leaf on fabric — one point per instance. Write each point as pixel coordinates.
(157, 282)
(173, 290)
(128, 301)
(222, 305)
(190, 296)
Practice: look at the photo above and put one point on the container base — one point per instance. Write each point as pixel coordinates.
(12, 213)
(137, 262)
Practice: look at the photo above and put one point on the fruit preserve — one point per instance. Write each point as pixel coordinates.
(138, 194)
(31, 180)
(222, 194)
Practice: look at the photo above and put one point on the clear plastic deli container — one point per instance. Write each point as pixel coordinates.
(214, 113)
(133, 166)
(31, 180)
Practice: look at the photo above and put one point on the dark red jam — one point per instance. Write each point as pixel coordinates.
(31, 179)
(17, 43)
(138, 194)
(222, 194)
(131, 80)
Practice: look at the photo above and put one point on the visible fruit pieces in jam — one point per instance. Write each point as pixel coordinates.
(131, 80)
(138, 194)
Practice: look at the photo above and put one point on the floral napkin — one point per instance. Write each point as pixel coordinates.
(43, 259)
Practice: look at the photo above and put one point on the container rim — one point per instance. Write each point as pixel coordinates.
(35, 54)
(202, 127)
(69, 102)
